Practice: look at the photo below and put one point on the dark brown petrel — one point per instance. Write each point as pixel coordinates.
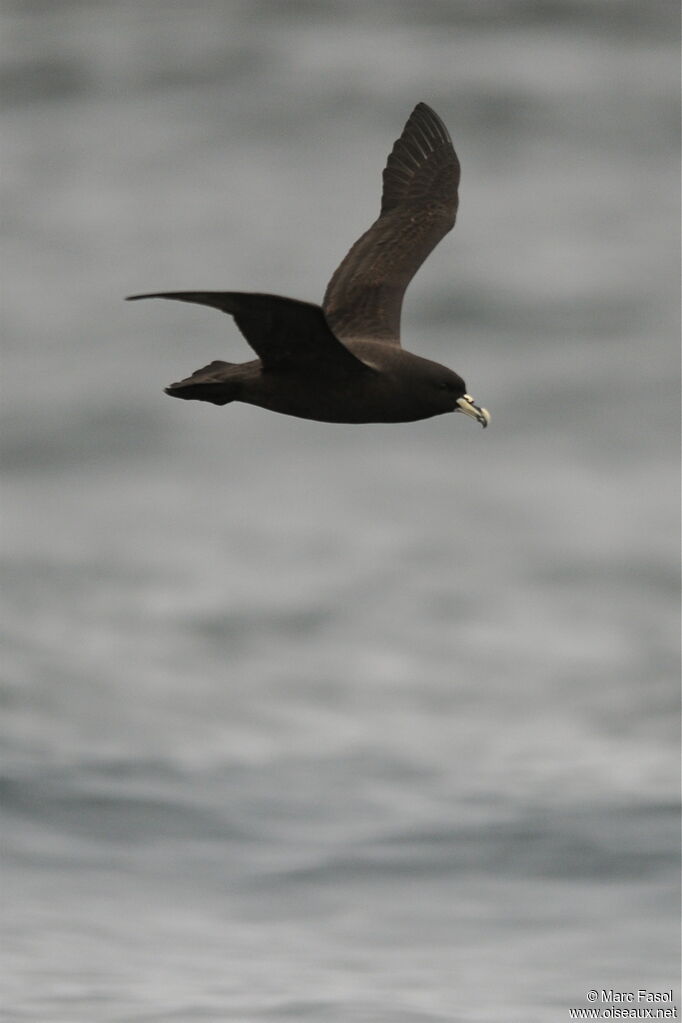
(343, 363)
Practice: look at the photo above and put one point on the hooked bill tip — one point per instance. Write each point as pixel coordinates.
(481, 415)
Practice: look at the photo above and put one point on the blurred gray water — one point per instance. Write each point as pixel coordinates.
(319, 722)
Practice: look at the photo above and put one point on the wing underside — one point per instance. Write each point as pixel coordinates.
(418, 207)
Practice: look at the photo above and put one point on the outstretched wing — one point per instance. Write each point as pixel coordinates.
(418, 207)
(283, 332)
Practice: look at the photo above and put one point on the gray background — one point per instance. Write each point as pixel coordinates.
(320, 722)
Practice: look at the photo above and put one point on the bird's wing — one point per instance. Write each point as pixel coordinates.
(283, 332)
(418, 207)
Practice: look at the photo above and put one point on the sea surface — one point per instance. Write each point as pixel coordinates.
(344, 724)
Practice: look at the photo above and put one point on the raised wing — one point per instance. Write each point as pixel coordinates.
(418, 207)
(283, 332)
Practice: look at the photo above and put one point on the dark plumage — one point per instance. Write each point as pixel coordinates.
(343, 363)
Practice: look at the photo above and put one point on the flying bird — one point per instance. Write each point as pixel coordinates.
(342, 362)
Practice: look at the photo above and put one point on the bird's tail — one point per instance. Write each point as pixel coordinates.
(212, 383)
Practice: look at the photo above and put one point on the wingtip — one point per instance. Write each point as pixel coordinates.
(426, 116)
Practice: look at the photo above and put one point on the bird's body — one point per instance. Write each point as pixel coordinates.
(389, 393)
(343, 362)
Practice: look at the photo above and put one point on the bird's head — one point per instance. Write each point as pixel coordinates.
(453, 394)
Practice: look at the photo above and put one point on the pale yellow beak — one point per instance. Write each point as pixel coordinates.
(466, 405)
